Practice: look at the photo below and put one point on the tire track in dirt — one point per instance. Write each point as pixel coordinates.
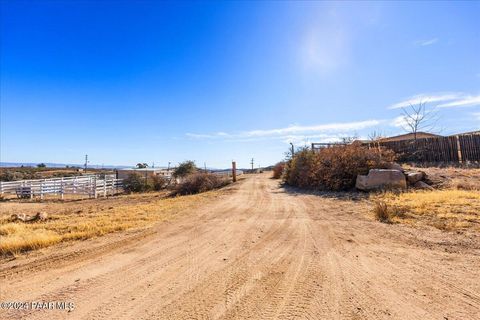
(262, 252)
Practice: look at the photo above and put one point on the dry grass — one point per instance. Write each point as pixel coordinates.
(381, 212)
(443, 209)
(67, 222)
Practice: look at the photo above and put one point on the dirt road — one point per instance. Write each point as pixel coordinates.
(261, 252)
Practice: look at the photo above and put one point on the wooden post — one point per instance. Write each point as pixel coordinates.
(234, 171)
(459, 150)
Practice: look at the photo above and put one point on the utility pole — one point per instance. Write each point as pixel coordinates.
(153, 164)
(293, 149)
(168, 168)
(86, 162)
(251, 162)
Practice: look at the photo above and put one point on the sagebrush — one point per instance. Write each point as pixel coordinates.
(278, 170)
(139, 183)
(334, 168)
(200, 182)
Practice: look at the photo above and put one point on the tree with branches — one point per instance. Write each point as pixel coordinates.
(418, 118)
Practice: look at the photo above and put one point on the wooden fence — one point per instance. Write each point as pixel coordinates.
(461, 148)
(91, 185)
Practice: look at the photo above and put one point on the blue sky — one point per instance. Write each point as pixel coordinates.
(130, 82)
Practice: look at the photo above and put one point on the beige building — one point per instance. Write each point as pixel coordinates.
(145, 172)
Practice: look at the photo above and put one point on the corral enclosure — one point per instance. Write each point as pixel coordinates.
(86, 185)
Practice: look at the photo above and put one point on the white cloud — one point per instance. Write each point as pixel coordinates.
(446, 100)
(331, 127)
(467, 101)
(425, 97)
(427, 42)
(399, 122)
(326, 132)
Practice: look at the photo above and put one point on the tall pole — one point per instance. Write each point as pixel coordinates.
(293, 149)
(168, 168)
(86, 162)
(234, 171)
(251, 162)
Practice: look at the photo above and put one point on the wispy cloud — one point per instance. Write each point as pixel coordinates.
(446, 100)
(427, 42)
(399, 122)
(467, 101)
(323, 132)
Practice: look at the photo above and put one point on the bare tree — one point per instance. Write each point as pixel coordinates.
(349, 139)
(417, 118)
(375, 135)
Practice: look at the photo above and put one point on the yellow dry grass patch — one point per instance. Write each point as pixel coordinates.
(16, 237)
(444, 209)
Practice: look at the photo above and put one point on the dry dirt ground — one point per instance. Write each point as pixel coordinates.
(257, 252)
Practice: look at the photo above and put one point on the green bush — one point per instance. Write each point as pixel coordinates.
(184, 169)
(334, 168)
(200, 182)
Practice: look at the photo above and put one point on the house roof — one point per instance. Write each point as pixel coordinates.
(466, 133)
(409, 136)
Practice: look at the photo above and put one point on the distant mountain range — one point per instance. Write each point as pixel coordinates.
(59, 165)
(95, 166)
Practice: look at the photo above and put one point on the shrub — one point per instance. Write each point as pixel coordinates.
(278, 170)
(335, 168)
(158, 182)
(201, 182)
(381, 212)
(184, 169)
(135, 183)
(139, 183)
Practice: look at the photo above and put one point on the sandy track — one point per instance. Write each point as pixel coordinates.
(261, 252)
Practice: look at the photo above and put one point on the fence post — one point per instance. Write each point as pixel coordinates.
(459, 150)
(62, 186)
(105, 187)
(95, 187)
(234, 171)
